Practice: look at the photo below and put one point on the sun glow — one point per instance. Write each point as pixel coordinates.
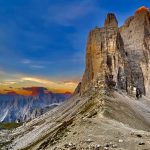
(20, 84)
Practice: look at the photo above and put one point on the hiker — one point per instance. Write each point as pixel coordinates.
(138, 93)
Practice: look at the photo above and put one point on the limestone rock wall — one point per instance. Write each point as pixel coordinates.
(136, 37)
(104, 55)
(119, 57)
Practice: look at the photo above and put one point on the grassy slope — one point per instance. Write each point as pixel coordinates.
(9, 126)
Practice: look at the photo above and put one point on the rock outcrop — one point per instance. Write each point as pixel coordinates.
(118, 57)
(111, 20)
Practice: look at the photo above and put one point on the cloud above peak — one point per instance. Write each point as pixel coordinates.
(26, 61)
(32, 64)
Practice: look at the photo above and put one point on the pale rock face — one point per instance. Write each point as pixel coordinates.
(119, 57)
(104, 54)
(136, 38)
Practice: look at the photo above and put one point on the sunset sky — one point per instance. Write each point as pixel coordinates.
(42, 42)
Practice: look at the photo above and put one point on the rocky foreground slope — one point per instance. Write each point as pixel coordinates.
(110, 108)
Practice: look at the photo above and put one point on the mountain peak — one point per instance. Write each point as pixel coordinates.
(142, 9)
(111, 20)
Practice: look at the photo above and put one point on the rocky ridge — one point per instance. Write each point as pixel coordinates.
(14, 107)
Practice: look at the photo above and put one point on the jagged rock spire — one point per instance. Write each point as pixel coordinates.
(111, 20)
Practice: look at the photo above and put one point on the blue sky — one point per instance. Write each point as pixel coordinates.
(46, 39)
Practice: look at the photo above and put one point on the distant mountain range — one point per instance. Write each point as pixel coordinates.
(15, 107)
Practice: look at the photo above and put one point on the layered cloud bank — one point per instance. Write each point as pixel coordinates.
(18, 83)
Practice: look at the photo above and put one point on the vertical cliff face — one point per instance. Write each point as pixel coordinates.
(119, 57)
(105, 56)
(135, 34)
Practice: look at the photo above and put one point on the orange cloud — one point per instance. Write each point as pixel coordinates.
(19, 86)
(16, 91)
(17, 81)
(31, 91)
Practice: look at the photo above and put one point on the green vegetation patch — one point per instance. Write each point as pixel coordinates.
(9, 125)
